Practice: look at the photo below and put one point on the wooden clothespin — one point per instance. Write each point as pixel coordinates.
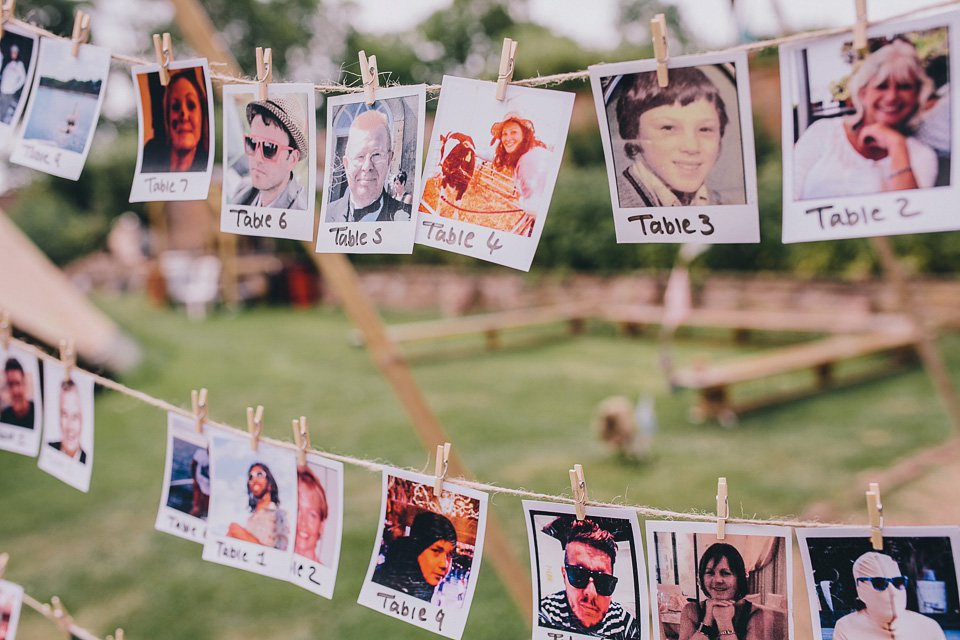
(255, 425)
(860, 27)
(658, 27)
(61, 617)
(199, 402)
(440, 470)
(4, 559)
(117, 636)
(81, 32)
(301, 437)
(579, 488)
(264, 71)
(371, 77)
(7, 13)
(875, 509)
(164, 51)
(508, 60)
(723, 508)
(68, 357)
(6, 329)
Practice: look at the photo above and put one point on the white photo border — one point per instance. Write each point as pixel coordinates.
(172, 185)
(59, 465)
(268, 222)
(641, 604)
(313, 576)
(445, 622)
(41, 155)
(877, 214)
(171, 520)
(805, 534)
(714, 224)
(476, 241)
(372, 237)
(710, 528)
(16, 439)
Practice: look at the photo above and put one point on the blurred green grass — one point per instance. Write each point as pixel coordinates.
(518, 416)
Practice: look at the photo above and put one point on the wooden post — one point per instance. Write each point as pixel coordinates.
(911, 305)
(200, 33)
(390, 360)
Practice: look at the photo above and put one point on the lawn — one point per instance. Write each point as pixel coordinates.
(519, 417)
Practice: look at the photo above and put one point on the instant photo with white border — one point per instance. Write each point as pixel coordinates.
(11, 602)
(723, 194)
(456, 502)
(929, 557)
(267, 221)
(821, 165)
(15, 33)
(398, 106)
(319, 574)
(63, 110)
(183, 507)
(67, 406)
(20, 438)
(231, 464)
(767, 555)
(461, 179)
(548, 556)
(168, 184)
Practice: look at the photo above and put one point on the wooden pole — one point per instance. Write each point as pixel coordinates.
(200, 33)
(393, 365)
(912, 306)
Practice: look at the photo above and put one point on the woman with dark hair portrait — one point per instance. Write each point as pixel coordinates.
(873, 150)
(672, 135)
(183, 145)
(725, 614)
(415, 564)
(519, 154)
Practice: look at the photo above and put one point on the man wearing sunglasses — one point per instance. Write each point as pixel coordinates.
(584, 606)
(267, 524)
(366, 162)
(275, 145)
(883, 590)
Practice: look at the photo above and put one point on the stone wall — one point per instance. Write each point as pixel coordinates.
(452, 292)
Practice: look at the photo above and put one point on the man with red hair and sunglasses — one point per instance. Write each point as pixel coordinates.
(275, 145)
(585, 606)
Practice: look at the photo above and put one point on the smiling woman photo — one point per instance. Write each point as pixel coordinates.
(725, 613)
(184, 142)
(873, 150)
(672, 135)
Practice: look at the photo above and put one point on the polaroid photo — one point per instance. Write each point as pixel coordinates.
(867, 138)
(63, 109)
(67, 449)
(253, 505)
(373, 161)
(18, 59)
(185, 502)
(11, 601)
(316, 544)
(906, 590)
(738, 587)
(21, 408)
(269, 161)
(425, 560)
(491, 169)
(175, 155)
(589, 578)
(680, 159)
